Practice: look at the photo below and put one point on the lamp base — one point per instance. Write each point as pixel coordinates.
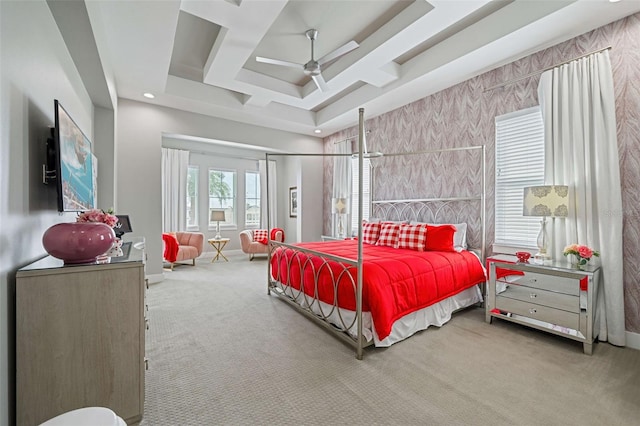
(541, 258)
(217, 237)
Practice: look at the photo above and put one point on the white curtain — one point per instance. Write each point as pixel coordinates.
(272, 209)
(581, 151)
(175, 164)
(341, 182)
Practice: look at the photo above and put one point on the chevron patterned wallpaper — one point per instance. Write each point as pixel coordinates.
(463, 115)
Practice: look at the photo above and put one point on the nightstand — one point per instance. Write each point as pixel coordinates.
(555, 297)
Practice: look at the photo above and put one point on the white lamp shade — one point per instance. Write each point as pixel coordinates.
(547, 200)
(217, 215)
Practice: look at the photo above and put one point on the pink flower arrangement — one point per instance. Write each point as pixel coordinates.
(97, 215)
(582, 253)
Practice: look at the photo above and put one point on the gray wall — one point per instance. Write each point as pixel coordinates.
(36, 68)
(141, 127)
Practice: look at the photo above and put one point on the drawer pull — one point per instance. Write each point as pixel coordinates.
(146, 364)
(146, 323)
(532, 295)
(532, 311)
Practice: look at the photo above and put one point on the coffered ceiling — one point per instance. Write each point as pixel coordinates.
(200, 56)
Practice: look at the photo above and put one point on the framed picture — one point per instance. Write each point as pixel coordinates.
(293, 201)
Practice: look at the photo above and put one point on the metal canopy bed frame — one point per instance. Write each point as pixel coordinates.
(348, 327)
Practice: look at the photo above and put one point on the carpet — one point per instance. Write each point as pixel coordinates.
(223, 352)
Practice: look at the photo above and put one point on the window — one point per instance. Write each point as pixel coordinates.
(366, 191)
(192, 196)
(519, 163)
(252, 199)
(222, 194)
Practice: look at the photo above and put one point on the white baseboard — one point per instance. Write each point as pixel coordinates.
(633, 340)
(155, 278)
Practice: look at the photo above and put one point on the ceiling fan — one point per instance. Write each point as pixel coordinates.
(312, 68)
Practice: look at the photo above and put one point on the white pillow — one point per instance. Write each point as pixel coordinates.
(460, 236)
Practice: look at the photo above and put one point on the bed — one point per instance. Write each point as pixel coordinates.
(371, 293)
(396, 282)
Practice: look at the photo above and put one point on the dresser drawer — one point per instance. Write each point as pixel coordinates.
(558, 284)
(543, 297)
(538, 312)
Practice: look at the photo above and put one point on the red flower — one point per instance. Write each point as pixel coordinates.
(98, 216)
(585, 252)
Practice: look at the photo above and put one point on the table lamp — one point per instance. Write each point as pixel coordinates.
(340, 207)
(217, 215)
(545, 201)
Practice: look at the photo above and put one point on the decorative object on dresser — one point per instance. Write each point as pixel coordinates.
(580, 255)
(523, 256)
(554, 297)
(217, 215)
(78, 242)
(80, 338)
(123, 226)
(545, 201)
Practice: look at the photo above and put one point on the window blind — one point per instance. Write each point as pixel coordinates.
(366, 191)
(519, 163)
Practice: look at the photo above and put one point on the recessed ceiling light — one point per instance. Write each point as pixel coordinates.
(317, 131)
(149, 95)
(614, 1)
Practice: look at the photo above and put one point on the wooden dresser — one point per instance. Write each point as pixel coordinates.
(80, 333)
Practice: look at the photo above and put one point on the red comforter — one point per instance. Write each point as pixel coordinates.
(396, 281)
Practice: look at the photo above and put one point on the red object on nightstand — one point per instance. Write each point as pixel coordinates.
(501, 272)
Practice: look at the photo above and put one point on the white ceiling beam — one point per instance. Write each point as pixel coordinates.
(384, 75)
(236, 43)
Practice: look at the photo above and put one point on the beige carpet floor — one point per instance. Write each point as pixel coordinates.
(223, 352)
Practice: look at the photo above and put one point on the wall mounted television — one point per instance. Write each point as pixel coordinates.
(72, 163)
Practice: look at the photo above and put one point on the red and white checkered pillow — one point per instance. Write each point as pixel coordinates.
(389, 234)
(261, 235)
(370, 232)
(412, 237)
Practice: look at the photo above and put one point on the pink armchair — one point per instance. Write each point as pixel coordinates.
(252, 247)
(189, 246)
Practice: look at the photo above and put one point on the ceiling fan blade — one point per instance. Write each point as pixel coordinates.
(278, 62)
(338, 52)
(319, 81)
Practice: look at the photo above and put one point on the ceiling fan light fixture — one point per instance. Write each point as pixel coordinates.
(313, 68)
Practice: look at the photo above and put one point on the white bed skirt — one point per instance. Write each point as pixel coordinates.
(436, 314)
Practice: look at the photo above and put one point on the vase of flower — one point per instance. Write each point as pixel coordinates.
(78, 242)
(579, 254)
(83, 241)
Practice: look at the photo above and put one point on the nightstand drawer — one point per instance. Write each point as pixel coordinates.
(545, 282)
(542, 297)
(538, 312)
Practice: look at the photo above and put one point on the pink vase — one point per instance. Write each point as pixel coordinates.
(78, 242)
